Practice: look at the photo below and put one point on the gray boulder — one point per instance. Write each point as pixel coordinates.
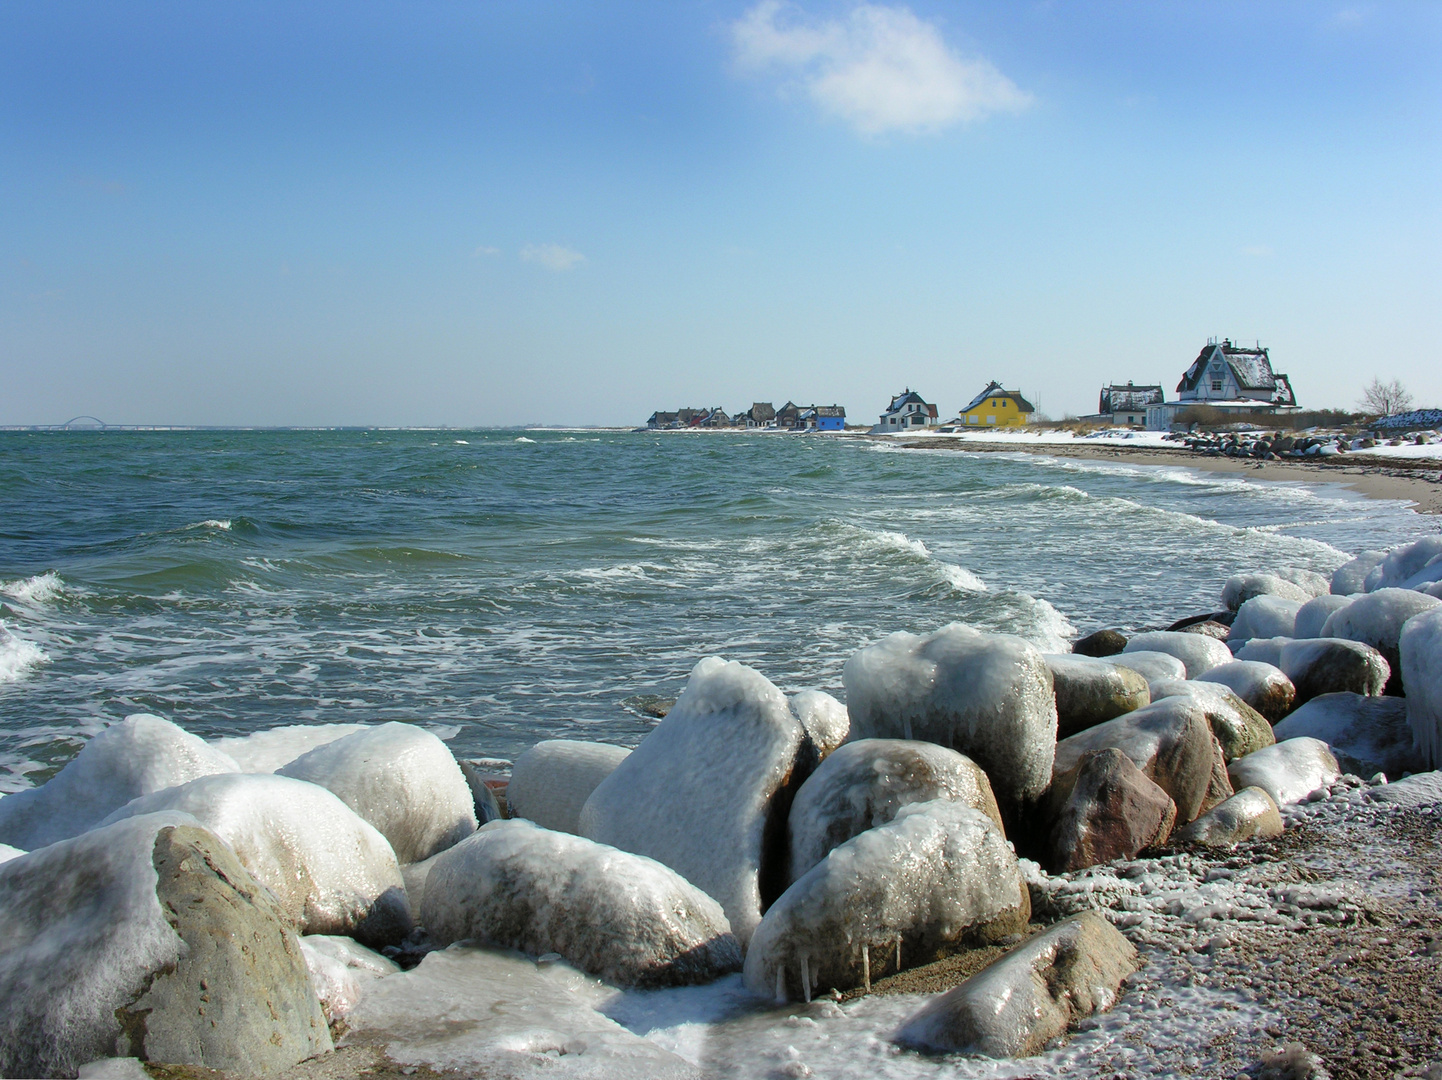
(825, 719)
(1239, 728)
(1250, 812)
(1089, 691)
(1113, 812)
(1197, 651)
(1100, 643)
(1351, 577)
(1309, 581)
(1313, 615)
(1288, 771)
(1367, 735)
(1151, 665)
(1376, 619)
(552, 780)
(1264, 687)
(1332, 666)
(1265, 617)
(1239, 588)
(1422, 789)
(1403, 563)
(1420, 649)
(1261, 650)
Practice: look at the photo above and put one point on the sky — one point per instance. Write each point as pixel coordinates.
(578, 213)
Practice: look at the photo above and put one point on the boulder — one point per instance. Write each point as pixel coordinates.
(1261, 650)
(1420, 648)
(1239, 588)
(1288, 771)
(1210, 628)
(268, 750)
(1170, 741)
(708, 790)
(1219, 618)
(1309, 581)
(1250, 812)
(1367, 735)
(1376, 619)
(401, 779)
(1219, 787)
(141, 754)
(483, 781)
(1427, 579)
(1313, 615)
(341, 971)
(1263, 687)
(864, 784)
(1422, 789)
(331, 871)
(1113, 812)
(988, 696)
(621, 917)
(1197, 651)
(1402, 563)
(1089, 691)
(1351, 577)
(1265, 617)
(1100, 643)
(936, 879)
(1239, 728)
(7, 853)
(553, 779)
(1151, 665)
(1333, 665)
(1031, 996)
(148, 939)
(824, 718)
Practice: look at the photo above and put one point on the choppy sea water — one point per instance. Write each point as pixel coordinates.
(504, 587)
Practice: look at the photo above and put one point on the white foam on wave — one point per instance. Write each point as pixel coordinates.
(522, 438)
(223, 524)
(18, 657)
(36, 590)
(891, 540)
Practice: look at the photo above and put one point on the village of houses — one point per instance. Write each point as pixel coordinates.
(1237, 382)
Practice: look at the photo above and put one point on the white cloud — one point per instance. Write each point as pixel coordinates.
(880, 69)
(552, 256)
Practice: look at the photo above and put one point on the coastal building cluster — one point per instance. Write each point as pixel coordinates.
(762, 414)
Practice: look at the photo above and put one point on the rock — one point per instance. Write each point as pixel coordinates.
(1219, 786)
(1367, 735)
(1031, 996)
(1240, 588)
(1263, 687)
(988, 696)
(147, 938)
(1113, 812)
(141, 754)
(1239, 728)
(825, 719)
(271, 749)
(341, 970)
(1265, 617)
(1420, 649)
(7, 853)
(653, 706)
(708, 790)
(331, 871)
(1376, 619)
(1313, 615)
(478, 774)
(1100, 643)
(1309, 581)
(1333, 665)
(1351, 577)
(1402, 563)
(1170, 741)
(553, 779)
(622, 917)
(1261, 650)
(1210, 628)
(1151, 665)
(1250, 812)
(938, 878)
(401, 779)
(1222, 618)
(1089, 691)
(1197, 651)
(1423, 789)
(864, 784)
(1288, 771)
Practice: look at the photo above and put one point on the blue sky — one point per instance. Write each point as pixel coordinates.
(578, 213)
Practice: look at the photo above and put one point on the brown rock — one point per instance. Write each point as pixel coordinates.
(1100, 643)
(1114, 812)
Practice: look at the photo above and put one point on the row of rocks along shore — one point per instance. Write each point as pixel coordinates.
(1031, 839)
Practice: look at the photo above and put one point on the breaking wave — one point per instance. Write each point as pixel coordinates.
(17, 656)
(40, 589)
(889, 540)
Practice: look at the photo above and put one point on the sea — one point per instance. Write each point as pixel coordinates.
(500, 587)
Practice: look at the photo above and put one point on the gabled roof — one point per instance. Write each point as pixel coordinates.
(994, 389)
(1129, 398)
(908, 397)
(1251, 369)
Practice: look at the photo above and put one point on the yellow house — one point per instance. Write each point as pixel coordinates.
(995, 407)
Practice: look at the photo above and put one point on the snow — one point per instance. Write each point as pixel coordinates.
(331, 871)
(1367, 735)
(1350, 578)
(401, 779)
(920, 886)
(1197, 651)
(266, 751)
(552, 780)
(341, 971)
(1152, 666)
(1265, 617)
(140, 755)
(126, 1068)
(988, 696)
(696, 795)
(824, 718)
(1376, 619)
(1409, 450)
(1021, 437)
(1289, 772)
(1401, 563)
(1421, 651)
(1313, 615)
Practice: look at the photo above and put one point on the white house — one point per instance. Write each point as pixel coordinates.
(1235, 381)
(906, 411)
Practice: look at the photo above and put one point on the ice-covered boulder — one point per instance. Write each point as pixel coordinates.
(148, 939)
(1265, 617)
(7, 853)
(1100, 643)
(988, 696)
(1239, 728)
(1402, 563)
(1376, 619)
(1333, 665)
(1367, 735)
(341, 970)
(1151, 665)
(552, 780)
(1435, 589)
(1313, 615)
(1169, 740)
(401, 779)
(1427, 578)
(936, 879)
(1114, 811)
(1420, 646)
(864, 784)
(141, 754)
(1032, 995)
(331, 871)
(268, 750)
(1288, 771)
(1089, 691)
(1197, 651)
(1239, 588)
(1261, 650)
(1309, 581)
(1264, 687)
(1351, 578)
(824, 718)
(1420, 789)
(707, 791)
(622, 917)
(1250, 812)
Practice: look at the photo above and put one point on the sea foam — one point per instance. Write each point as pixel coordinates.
(17, 656)
(40, 589)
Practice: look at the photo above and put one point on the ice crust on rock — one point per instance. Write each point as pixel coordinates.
(266, 751)
(1289, 771)
(700, 793)
(1420, 646)
(1367, 735)
(331, 871)
(824, 718)
(552, 780)
(1401, 563)
(1333, 665)
(1421, 789)
(1351, 578)
(140, 755)
(1261, 650)
(401, 779)
(341, 970)
(1376, 619)
(1309, 581)
(1313, 615)
(1089, 691)
(621, 917)
(1032, 995)
(864, 784)
(7, 853)
(1150, 665)
(938, 877)
(1265, 617)
(1263, 687)
(988, 696)
(1197, 651)
(1250, 812)
(1239, 588)
(1239, 728)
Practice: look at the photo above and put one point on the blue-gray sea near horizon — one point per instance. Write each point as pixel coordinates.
(503, 587)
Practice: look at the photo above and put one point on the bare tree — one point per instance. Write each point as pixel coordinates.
(1385, 399)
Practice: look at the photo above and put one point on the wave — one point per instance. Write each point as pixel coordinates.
(223, 524)
(40, 589)
(18, 656)
(522, 438)
(890, 540)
